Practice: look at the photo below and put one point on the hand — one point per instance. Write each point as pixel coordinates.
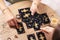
(34, 6)
(48, 31)
(11, 23)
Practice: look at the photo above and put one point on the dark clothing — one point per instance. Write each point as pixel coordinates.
(14, 1)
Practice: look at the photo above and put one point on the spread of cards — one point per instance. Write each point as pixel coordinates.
(28, 25)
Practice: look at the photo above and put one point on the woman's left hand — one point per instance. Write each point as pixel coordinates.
(34, 6)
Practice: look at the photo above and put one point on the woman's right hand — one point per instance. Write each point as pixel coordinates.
(48, 31)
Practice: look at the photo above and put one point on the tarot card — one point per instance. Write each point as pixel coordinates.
(45, 18)
(41, 36)
(20, 30)
(31, 37)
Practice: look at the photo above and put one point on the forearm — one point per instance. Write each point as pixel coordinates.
(5, 10)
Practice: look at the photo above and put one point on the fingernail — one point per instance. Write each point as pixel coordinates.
(32, 14)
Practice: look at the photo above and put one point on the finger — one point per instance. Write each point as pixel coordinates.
(11, 23)
(44, 31)
(32, 11)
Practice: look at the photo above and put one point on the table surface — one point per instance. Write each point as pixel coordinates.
(6, 31)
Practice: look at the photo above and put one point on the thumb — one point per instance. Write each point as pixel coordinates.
(32, 12)
(43, 30)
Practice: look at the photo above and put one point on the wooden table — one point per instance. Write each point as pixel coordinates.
(7, 32)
